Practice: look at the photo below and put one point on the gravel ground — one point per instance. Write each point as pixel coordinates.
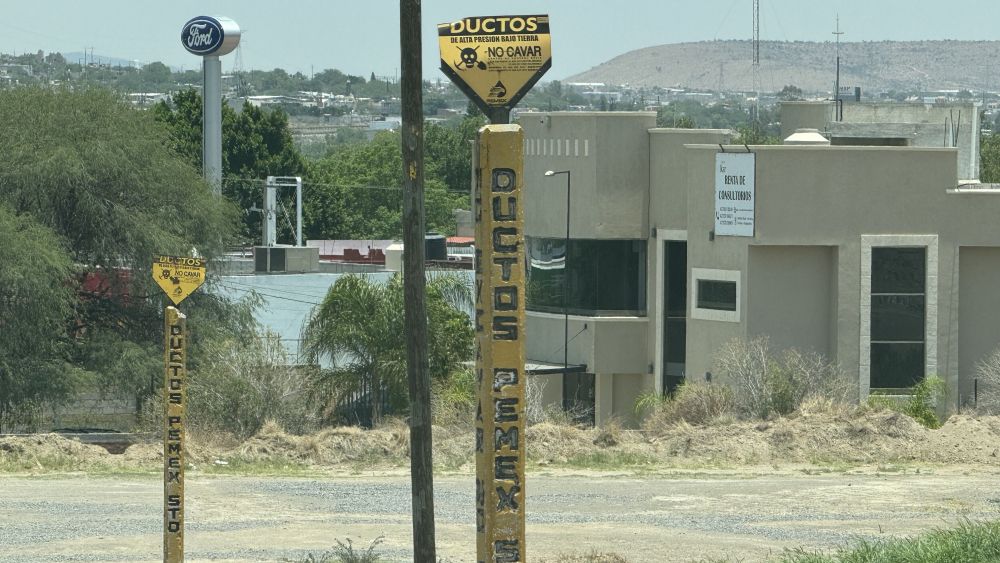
(681, 517)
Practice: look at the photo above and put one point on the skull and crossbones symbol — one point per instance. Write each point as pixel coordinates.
(469, 59)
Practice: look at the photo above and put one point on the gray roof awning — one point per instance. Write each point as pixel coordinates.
(544, 368)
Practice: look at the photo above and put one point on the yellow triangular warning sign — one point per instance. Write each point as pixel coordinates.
(178, 276)
(495, 60)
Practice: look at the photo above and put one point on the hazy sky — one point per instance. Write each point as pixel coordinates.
(362, 36)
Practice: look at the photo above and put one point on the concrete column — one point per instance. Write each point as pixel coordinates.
(212, 123)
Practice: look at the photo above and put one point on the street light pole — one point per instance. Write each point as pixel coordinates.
(565, 274)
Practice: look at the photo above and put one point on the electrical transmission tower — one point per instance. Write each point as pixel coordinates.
(756, 61)
(242, 86)
(836, 85)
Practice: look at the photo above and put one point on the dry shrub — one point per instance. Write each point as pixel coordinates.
(609, 435)
(816, 406)
(243, 384)
(548, 441)
(49, 445)
(692, 403)
(534, 409)
(988, 371)
(767, 384)
(592, 556)
(389, 444)
(453, 400)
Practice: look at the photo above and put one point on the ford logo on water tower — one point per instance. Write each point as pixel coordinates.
(205, 35)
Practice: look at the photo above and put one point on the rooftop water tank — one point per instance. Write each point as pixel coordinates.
(807, 137)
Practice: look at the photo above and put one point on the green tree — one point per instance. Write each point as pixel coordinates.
(256, 143)
(356, 192)
(36, 300)
(754, 134)
(989, 158)
(103, 180)
(790, 92)
(448, 152)
(157, 74)
(359, 330)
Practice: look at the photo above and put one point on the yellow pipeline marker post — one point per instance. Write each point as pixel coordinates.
(500, 373)
(179, 277)
(175, 383)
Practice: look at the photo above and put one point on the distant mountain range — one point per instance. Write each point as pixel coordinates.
(874, 66)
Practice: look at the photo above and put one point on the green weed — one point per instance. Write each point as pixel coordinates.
(920, 402)
(969, 542)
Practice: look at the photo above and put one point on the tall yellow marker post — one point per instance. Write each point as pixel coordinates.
(175, 383)
(495, 60)
(500, 447)
(178, 276)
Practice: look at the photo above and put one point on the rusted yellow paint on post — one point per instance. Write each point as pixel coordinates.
(500, 373)
(175, 400)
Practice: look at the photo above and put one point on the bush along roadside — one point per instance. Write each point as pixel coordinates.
(969, 542)
(919, 405)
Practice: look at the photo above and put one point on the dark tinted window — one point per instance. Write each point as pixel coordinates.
(605, 276)
(898, 318)
(897, 365)
(898, 313)
(676, 278)
(898, 270)
(718, 295)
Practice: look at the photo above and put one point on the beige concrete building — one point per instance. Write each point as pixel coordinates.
(875, 256)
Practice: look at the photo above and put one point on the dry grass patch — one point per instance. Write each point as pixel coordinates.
(593, 556)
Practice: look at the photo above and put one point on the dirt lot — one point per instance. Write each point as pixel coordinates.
(681, 493)
(679, 517)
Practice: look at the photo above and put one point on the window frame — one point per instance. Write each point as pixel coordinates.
(930, 245)
(641, 250)
(708, 274)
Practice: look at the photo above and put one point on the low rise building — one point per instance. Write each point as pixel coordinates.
(874, 256)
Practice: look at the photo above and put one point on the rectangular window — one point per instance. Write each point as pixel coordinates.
(898, 316)
(675, 313)
(590, 277)
(717, 295)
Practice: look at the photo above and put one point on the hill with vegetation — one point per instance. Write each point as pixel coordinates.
(873, 65)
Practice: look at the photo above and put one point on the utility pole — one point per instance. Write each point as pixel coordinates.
(756, 63)
(415, 318)
(836, 84)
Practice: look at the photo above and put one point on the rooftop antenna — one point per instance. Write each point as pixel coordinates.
(836, 85)
(756, 60)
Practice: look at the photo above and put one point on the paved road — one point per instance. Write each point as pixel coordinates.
(647, 519)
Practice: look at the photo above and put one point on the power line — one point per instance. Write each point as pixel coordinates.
(570, 339)
(311, 183)
(284, 291)
(232, 288)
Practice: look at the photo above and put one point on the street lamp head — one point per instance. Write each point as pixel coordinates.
(550, 173)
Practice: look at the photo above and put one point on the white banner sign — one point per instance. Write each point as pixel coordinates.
(734, 193)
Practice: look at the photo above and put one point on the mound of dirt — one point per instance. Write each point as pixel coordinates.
(816, 435)
(330, 446)
(861, 436)
(44, 450)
